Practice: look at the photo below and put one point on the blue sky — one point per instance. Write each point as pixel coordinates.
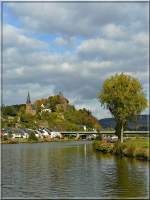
(73, 48)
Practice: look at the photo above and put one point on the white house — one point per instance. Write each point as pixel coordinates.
(20, 135)
(42, 133)
(44, 109)
(55, 134)
(16, 135)
(38, 134)
(25, 135)
(45, 133)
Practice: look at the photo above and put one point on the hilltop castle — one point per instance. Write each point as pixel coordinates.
(29, 109)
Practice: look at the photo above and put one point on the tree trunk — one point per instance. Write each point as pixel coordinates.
(121, 134)
(119, 131)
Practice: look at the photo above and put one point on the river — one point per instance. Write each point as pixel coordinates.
(69, 169)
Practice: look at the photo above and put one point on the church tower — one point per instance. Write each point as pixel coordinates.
(29, 109)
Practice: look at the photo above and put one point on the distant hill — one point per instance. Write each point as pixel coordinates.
(142, 123)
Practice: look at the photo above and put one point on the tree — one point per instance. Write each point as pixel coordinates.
(27, 120)
(124, 97)
(32, 137)
(8, 110)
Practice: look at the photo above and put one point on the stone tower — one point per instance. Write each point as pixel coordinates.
(29, 109)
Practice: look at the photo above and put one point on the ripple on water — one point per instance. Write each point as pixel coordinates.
(69, 169)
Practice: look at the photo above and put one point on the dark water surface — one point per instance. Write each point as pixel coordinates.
(70, 169)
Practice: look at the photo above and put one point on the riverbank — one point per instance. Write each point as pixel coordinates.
(135, 148)
(41, 140)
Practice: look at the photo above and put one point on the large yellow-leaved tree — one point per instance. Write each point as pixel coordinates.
(123, 95)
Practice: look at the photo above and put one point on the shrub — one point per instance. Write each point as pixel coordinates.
(103, 146)
(12, 142)
(4, 138)
(142, 153)
(32, 137)
(130, 151)
(137, 148)
(119, 148)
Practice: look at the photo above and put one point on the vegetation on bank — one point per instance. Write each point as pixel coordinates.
(135, 148)
(36, 140)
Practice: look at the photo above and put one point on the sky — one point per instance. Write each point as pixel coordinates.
(72, 47)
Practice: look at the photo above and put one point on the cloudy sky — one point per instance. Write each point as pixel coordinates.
(72, 48)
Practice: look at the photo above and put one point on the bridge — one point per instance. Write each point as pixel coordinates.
(79, 134)
(102, 132)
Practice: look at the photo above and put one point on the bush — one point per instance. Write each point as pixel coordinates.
(136, 148)
(32, 137)
(4, 138)
(130, 150)
(103, 146)
(119, 148)
(142, 153)
(12, 142)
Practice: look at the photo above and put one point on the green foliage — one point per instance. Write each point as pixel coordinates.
(119, 148)
(82, 118)
(124, 97)
(4, 138)
(28, 121)
(32, 137)
(10, 110)
(137, 148)
(51, 102)
(64, 117)
(103, 146)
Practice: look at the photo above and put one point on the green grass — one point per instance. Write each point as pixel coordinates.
(137, 148)
(138, 142)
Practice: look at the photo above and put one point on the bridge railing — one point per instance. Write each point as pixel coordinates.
(104, 132)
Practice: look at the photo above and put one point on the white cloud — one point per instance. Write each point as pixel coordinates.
(141, 38)
(78, 18)
(113, 39)
(65, 41)
(15, 37)
(60, 41)
(113, 31)
(109, 49)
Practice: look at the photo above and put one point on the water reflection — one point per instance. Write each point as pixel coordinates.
(85, 150)
(127, 177)
(69, 169)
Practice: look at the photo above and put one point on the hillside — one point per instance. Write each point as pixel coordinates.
(54, 112)
(141, 124)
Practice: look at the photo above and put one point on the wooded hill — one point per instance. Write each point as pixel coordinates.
(141, 124)
(54, 112)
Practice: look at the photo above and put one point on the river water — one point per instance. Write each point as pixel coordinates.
(70, 169)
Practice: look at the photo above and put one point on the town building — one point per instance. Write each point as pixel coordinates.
(45, 109)
(29, 109)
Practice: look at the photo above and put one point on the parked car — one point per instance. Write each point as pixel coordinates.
(114, 138)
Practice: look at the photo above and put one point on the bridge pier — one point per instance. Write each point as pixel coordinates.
(77, 136)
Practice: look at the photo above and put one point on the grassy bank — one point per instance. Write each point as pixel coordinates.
(135, 148)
